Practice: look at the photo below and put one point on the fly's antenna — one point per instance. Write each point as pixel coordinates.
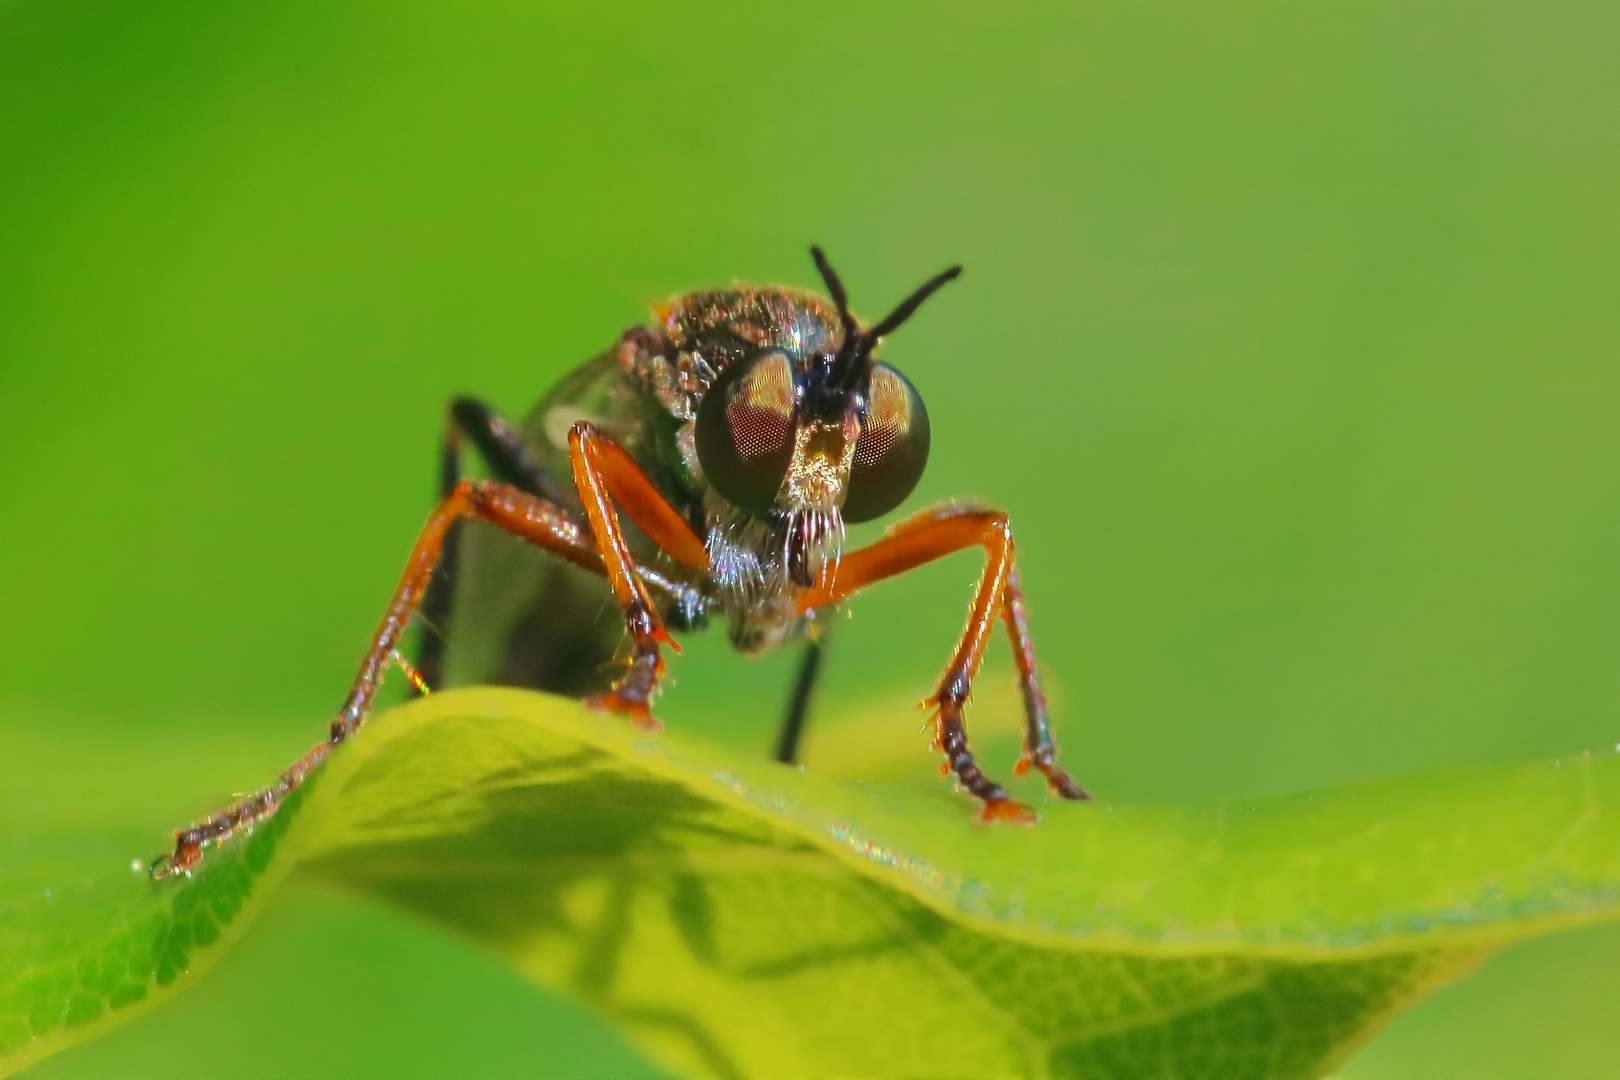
(855, 354)
(911, 303)
(835, 286)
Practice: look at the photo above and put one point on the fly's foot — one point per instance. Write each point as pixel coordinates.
(631, 697)
(1062, 784)
(1008, 810)
(637, 712)
(187, 853)
(995, 805)
(189, 844)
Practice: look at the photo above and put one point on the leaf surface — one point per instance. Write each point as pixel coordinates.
(739, 918)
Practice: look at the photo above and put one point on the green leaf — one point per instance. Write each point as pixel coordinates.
(739, 918)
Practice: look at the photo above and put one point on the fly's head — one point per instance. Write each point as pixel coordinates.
(810, 439)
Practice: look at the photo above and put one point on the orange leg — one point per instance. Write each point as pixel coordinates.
(518, 512)
(923, 538)
(605, 474)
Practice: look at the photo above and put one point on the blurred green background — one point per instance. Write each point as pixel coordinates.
(1290, 338)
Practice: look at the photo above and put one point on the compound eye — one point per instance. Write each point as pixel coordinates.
(892, 449)
(745, 431)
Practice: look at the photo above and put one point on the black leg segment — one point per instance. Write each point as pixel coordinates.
(798, 709)
(503, 448)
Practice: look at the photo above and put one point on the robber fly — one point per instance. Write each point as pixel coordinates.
(704, 465)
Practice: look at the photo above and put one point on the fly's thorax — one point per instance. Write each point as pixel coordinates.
(745, 320)
(676, 379)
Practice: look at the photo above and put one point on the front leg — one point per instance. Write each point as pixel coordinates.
(536, 520)
(923, 538)
(604, 474)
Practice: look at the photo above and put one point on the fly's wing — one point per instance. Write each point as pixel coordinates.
(603, 394)
(520, 616)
